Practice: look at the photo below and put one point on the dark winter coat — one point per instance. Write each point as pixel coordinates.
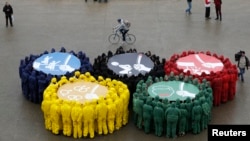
(7, 9)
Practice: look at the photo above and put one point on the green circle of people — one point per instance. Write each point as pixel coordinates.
(173, 90)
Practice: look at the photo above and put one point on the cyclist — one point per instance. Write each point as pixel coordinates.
(123, 27)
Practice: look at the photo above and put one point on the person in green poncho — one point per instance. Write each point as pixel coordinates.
(172, 115)
(158, 118)
(147, 115)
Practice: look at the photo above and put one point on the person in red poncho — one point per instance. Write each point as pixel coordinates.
(225, 92)
(217, 89)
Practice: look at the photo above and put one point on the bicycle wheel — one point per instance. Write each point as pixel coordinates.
(130, 38)
(114, 38)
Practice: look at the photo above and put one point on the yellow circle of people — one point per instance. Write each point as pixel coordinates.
(65, 113)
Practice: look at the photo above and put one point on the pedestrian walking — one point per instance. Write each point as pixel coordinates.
(243, 63)
(217, 4)
(7, 9)
(188, 10)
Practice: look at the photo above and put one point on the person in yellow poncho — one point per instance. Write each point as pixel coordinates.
(88, 118)
(101, 115)
(55, 114)
(76, 116)
(66, 118)
(111, 114)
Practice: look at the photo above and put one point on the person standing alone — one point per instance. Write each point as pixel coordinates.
(217, 4)
(188, 10)
(7, 9)
(207, 9)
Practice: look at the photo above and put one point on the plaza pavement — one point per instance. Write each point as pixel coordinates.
(160, 26)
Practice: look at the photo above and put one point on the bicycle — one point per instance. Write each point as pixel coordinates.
(116, 37)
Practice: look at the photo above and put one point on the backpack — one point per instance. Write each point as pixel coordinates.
(247, 61)
(127, 23)
(237, 56)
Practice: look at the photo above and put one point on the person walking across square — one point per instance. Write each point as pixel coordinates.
(243, 63)
(188, 10)
(217, 4)
(7, 9)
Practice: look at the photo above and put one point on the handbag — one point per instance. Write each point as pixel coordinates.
(12, 17)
